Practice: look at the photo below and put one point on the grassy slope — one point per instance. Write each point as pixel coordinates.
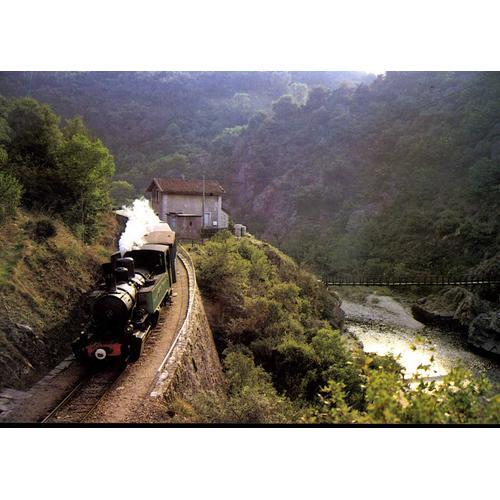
(40, 286)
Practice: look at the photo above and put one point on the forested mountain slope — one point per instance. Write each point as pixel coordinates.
(159, 123)
(401, 175)
(395, 175)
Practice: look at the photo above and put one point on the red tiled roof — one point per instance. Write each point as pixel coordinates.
(180, 186)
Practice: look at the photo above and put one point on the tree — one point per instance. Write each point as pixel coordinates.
(34, 138)
(460, 398)
(485, 177)
(121, 193)
(284, 108)
(85, 169)
(62, 171)
(75, 126)
(242, 101)
(223, 273)
(173, 165)
(34, 131)
(10, 195)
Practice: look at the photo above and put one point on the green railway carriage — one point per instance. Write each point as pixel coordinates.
(161, 259)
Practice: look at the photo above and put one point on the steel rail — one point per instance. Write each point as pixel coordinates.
(80, 386)
(103, 387)
(65, 401)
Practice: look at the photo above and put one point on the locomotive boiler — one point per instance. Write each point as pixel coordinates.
(125, 306)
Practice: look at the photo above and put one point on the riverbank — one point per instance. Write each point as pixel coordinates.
(384, 324)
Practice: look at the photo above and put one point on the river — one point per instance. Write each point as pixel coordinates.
(383, 325)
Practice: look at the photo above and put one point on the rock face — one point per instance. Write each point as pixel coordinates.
(22, 354)
(489, 267)
(484, 332)
(459, 309)
(452, 308)
(334, 313)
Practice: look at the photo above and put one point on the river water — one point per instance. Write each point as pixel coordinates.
(383, 325)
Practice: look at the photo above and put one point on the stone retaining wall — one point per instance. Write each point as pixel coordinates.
(193, 362)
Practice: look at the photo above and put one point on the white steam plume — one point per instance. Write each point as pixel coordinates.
(141, 221)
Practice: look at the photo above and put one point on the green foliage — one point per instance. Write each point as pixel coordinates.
(173, 165)
(274, 310)
(299, 92)
(223, 274)
(85, 170)
(390, 399)
(250, 397)
(284, 360)
(398, 173)
(10, 195)
(62, 171)
(398, 176)
(3, 156)
(75, 126)
(121, 193)
(34, 130)
(390, 177)
(147, 117)
(337, 362)
(485, 177)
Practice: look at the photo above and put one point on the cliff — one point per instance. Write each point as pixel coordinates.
(44, 271)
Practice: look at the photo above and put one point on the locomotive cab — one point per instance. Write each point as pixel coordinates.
(150, 259)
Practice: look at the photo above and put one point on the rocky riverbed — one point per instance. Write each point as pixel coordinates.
(385, 325)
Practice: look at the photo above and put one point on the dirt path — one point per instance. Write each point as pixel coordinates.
(129, 399)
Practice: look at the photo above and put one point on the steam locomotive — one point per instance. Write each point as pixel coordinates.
(125, 306)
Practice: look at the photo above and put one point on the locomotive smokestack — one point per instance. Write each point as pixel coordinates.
(127, 262)
(121, 274)
(108, 273)
(114, 258)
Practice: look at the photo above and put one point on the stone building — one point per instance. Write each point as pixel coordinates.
(189, 206)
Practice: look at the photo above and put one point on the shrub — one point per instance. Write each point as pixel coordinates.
(282, 355)
(250, 398)
(390, 399)
(223, 273)
(10, 195)
(43, 230)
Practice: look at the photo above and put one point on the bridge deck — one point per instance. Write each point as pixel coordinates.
(411, 283)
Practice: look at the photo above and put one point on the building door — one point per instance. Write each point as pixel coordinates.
(172, 222)
(206, 219)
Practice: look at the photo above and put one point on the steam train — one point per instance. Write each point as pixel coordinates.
(125, 306)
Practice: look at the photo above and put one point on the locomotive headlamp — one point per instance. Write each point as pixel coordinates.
(100, 354)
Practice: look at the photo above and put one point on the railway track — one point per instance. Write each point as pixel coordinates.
(84, 398)
(81, 401)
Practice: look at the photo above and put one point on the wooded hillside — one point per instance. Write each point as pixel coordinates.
(395, 175)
